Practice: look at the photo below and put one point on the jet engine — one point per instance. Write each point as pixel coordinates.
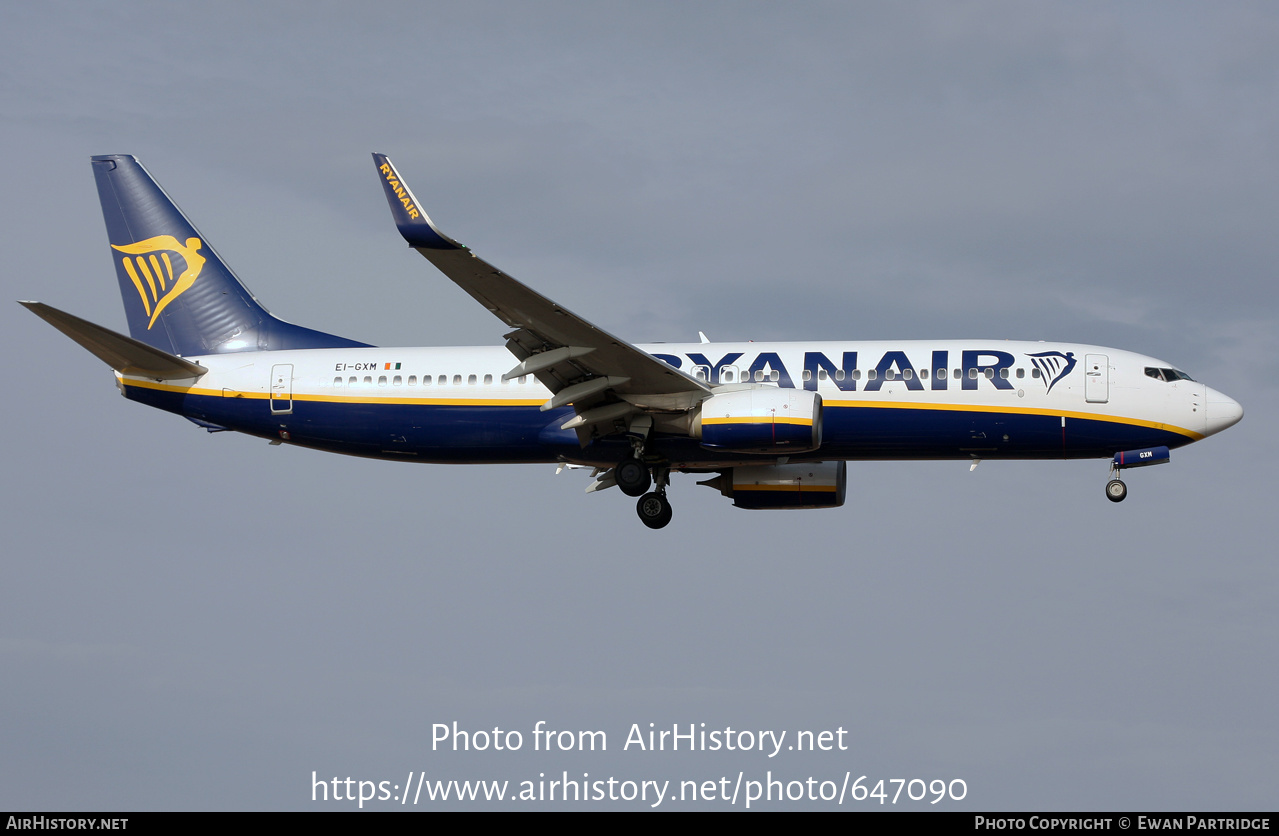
(802, 485)
(762, 420)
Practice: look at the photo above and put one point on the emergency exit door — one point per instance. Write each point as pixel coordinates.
(282, 389)
(1096, 378)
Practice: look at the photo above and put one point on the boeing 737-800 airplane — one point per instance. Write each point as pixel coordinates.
(774, 422)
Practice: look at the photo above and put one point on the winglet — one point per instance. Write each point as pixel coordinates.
(412, 222)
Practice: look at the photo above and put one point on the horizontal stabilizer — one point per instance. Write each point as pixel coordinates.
(124, 354)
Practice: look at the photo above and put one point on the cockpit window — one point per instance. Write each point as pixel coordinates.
(1168, 375)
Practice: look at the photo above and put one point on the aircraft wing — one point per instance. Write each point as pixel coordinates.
(579, 362)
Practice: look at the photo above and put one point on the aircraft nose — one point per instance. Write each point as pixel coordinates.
(1223, 412)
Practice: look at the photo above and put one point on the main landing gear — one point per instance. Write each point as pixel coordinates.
(654, 508)
(635, 478)
(632, 477)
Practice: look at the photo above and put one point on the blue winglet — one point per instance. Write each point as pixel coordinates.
(412, 222)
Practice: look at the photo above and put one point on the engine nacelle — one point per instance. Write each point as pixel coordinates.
(805, 485)
(762, 420)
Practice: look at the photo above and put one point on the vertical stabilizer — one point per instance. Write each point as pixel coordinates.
(178, 295)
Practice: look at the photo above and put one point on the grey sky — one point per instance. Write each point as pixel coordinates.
(198, 622)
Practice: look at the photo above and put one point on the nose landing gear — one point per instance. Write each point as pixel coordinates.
(1116, 490)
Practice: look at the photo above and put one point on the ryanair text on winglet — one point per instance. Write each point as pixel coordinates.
(393, 179)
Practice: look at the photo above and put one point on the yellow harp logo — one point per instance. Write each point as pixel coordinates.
(150, 264)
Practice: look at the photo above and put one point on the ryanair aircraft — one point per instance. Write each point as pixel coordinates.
(772, 425)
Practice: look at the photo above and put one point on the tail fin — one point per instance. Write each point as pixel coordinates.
(178, 295)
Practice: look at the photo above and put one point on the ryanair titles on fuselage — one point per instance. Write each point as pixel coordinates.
(893, 366)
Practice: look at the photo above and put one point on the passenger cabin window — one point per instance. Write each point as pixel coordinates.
(457, 380)
(397, 380)
(337, 381)
(1003, 373)
(941, 374)
(923, 374)
(381, 380)
(488, 380)
(1035, 373)
(821, 374)
(1021, 373)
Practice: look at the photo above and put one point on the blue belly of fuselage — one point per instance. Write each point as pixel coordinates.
(494, 434)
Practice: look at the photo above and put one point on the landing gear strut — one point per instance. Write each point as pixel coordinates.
(1116, 490)
(654, 508)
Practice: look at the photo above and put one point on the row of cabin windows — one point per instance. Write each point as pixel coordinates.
(728, 374)
(427, 380)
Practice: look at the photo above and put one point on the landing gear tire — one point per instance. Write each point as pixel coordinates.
(654, 510)
(632, 477)
(1116, 490)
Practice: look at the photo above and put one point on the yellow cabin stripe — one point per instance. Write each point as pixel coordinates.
(936, 407)
(262, 396)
